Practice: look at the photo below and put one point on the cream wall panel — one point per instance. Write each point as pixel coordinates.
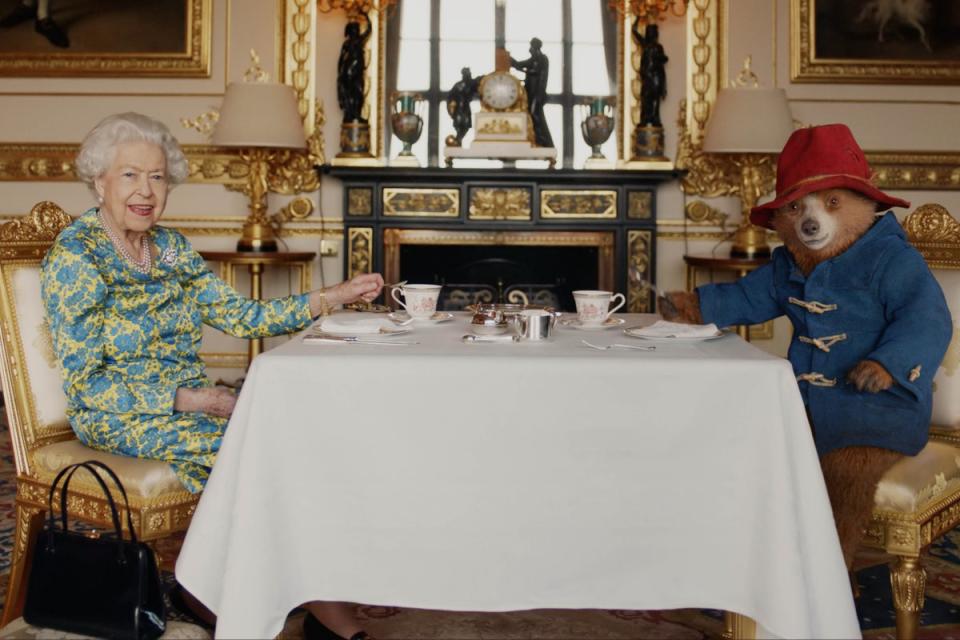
(327, 50)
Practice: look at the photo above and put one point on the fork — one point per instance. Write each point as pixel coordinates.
(638, 347)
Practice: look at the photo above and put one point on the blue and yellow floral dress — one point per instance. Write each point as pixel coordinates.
(127, 340)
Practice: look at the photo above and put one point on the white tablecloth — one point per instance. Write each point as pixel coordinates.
(495, 477)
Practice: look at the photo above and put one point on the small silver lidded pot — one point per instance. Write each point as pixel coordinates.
(489, 322)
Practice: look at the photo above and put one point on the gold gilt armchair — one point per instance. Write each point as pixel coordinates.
(918, 500)
(42, 439)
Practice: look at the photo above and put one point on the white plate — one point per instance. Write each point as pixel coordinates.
(436, 318)
(574, 323)
(344, 333)
(633, 332)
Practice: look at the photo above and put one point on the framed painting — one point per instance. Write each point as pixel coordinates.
(105, 38)
(875, 41)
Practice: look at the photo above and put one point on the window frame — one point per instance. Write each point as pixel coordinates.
(435, 95)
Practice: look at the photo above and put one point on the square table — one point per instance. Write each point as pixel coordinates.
(494, 477)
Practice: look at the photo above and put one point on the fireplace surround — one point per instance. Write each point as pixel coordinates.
(486, 232)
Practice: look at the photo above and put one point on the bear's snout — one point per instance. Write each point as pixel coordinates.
(810, 227)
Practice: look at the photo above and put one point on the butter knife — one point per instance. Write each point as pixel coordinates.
(356, 340)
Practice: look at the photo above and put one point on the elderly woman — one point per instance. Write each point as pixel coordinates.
(126, 299)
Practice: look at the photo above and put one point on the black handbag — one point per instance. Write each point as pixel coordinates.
(106, 587)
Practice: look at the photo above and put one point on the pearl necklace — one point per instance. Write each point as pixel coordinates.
(145, 263)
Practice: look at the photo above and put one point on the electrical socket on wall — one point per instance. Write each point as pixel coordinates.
(329, 248)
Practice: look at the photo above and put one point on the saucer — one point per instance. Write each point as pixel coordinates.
(574, 323)
(436, 318)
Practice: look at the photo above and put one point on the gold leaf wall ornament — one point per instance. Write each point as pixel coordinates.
(700, 211)
(203, 123)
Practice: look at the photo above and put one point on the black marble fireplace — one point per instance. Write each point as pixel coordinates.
(485, 233)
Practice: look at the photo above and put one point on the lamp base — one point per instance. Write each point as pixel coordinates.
(257, 237)
(750, 241)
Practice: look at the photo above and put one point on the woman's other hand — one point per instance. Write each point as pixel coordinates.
(217, 401)
(364, 287)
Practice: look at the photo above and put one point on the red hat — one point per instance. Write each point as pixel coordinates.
(817, 158)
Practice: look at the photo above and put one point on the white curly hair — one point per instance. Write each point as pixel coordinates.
(99, 146)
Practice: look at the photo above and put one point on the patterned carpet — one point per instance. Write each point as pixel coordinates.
(941, 616)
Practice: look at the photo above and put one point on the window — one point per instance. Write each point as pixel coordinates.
(430, 41)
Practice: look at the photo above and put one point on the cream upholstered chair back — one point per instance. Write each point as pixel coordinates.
(36, 404)
(936, 234)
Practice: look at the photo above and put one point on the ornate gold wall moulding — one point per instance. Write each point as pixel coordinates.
(193, 61)
(915, 170)
(291, 173)
(700, 211)
(421, 203)
(639, 205)
(639, 248)
(296, 35)
(359, 251)
(500, 203)
(578, 204)
(359, 201)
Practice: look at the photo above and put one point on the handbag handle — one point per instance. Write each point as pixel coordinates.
(123, 492)
(90, 466)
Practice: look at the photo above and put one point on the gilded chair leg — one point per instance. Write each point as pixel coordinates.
(29, 521)
(908, 581)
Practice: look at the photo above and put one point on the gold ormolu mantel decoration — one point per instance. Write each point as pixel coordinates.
(504, 126)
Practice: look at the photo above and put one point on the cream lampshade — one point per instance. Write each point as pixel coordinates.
(749, 125)
(261, 118)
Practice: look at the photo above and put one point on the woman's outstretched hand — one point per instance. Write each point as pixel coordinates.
(217, 401)
(365, 286)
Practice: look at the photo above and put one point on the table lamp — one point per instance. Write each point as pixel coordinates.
(749, 126)
(262, 119)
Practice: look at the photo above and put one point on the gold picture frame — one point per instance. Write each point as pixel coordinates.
(835, 42)
(172, 53)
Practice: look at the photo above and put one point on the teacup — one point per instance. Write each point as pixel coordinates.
(593, 307)
(419, 300)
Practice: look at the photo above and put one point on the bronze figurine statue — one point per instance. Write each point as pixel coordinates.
(351, 69)
(536, 69)
(458, 105)
(653, 76)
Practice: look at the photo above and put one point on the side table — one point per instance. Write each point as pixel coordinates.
(709, 264)
(256, 262)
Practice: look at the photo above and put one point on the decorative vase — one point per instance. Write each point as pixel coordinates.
(596, 126)
(407, 121)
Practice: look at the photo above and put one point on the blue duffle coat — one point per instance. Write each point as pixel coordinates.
(875, 301)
